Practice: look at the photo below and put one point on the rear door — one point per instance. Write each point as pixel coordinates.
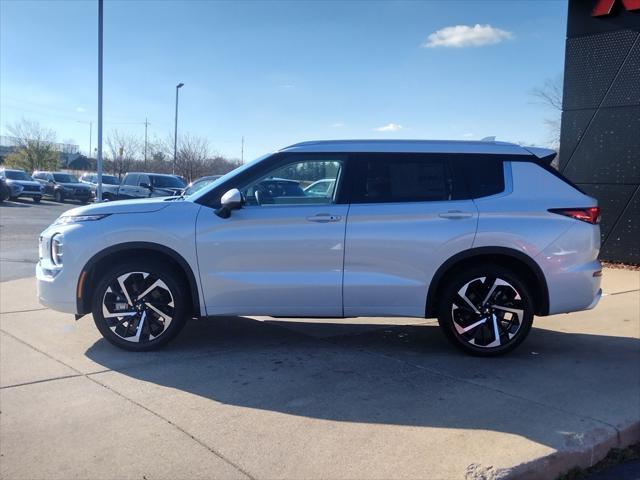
(403, 223)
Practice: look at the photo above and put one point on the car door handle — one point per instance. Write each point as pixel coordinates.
(455, 215)
(324, 218)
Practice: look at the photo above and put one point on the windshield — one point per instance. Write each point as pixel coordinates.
(13, 175)
(210, 186)
(64, 178)
(166, 182)
(200, 184)
(109, 180)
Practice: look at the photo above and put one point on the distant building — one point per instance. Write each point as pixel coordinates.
(70, 156)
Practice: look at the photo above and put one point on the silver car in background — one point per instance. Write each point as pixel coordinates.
(481, 235)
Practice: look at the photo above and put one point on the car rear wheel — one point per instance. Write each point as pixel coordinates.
(58, 196)
(486, 311)
(140, 306)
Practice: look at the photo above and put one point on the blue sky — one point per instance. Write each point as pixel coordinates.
(281, 72)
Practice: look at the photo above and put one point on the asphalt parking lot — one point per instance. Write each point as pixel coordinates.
(266, 398)
(21, 222)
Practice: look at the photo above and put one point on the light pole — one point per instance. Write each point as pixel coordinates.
(99, 156)
(175, 130)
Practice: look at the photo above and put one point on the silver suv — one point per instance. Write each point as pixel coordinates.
(481, 235)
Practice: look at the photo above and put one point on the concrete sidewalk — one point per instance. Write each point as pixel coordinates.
(363, 398)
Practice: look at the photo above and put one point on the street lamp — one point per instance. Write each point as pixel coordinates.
(175, 130)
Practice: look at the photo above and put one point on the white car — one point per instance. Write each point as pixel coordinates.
(481, 235)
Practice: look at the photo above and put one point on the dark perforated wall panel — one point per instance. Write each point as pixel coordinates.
(600, 134)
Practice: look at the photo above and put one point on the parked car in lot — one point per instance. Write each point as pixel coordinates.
(145, 185)
(63, 186)
(481, 235)
(320, 188)
(202, 182)
(21, 184)
(5, 191)
(110, 184)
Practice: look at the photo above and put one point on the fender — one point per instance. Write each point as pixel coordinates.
(123, 247)
(485, 251)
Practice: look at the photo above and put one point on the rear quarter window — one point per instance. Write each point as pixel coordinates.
(478, 176)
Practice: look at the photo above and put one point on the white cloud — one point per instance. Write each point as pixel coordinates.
(459, 36)
(390, 127)
(337, 125)
(468, 135)
(80, 109)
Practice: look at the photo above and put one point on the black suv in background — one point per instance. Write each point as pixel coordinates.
(63, 186)
(110, 185)
(144, 185)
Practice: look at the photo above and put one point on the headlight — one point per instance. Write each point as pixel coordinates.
(56, 249)
(68, 219)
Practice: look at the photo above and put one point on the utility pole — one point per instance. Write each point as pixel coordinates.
(99, 156)
(242, 151)
(146, 124)
(175, 130)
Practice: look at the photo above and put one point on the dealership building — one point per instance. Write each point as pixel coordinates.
(600, 135)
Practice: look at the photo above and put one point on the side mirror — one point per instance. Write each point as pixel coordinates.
(231, 200)
(146, 185)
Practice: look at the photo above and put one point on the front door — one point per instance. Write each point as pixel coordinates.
(282, 253)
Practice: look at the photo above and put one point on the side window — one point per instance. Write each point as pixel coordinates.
(143, 179)
(50, 177)
(389, 178)
(290, 184)
(482, 175)
(130, 180)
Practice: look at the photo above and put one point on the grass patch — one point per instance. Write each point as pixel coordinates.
(615, 457)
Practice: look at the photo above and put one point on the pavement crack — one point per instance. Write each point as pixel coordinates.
(25, 311)
(177, 427)
(89, 376)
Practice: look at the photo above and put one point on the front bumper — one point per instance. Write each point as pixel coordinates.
(55, 290)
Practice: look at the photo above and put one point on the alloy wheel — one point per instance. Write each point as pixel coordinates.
(487, 312)
(138, 307)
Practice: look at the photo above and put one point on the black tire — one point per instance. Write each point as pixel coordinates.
(489, 289)
(58, 196)
(122, 331)
(37, 199)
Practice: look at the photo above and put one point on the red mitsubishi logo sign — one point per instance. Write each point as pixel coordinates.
(604, 7)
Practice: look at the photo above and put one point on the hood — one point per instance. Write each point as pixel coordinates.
(173, 190)
(121, 206)
(74, 185)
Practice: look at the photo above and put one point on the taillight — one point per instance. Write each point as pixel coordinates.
(589, 215)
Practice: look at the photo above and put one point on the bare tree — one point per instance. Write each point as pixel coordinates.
(35, 147)
(549, 94)
(192, 155)
(123, 148)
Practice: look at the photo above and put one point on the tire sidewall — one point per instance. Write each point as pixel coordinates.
(169, 277)
(457, 282)
(58, 196)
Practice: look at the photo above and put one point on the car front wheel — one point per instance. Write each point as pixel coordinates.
(486, 311)
(140, 306)
(58, 196)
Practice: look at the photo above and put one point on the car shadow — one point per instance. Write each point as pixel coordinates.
(389, 374)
